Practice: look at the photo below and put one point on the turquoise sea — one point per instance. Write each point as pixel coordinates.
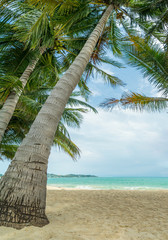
(121, 183)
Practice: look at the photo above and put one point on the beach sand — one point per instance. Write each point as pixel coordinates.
(100, 215)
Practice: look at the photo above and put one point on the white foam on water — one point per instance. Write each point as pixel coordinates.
(84, 187)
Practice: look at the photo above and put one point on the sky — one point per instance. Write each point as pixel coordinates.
(119, 142)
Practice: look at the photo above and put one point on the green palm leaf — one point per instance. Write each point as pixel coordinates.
(7, 84)
(136, 101)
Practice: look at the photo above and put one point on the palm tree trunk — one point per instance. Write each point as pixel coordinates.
(23, 187)
(9, 106)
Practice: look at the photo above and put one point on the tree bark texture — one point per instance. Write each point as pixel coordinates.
(23, 187)
(6, 112)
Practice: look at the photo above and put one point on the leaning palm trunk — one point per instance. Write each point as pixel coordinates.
(23, 187)
(9, 106)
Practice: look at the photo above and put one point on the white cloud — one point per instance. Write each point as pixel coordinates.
(96, 93)
(124, 89)
(143, 85)
(108, 71)
(155, 93)
(147, 88)
(117, 143)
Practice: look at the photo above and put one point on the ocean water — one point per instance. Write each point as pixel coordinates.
(107, 183)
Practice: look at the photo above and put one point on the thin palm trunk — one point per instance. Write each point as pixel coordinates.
(23, 187)
(9, 106)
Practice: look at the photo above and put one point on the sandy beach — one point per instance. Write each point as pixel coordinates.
(100, 215)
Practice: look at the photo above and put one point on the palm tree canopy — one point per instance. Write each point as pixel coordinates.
(147, 51)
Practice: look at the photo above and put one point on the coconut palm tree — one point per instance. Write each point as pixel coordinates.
(26, 110)
(9, 105)
(23, 187)
(38, 32)
(30, 102)
(63, 44)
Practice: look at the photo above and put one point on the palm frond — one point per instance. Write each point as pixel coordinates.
(9, 83)
(150, 58)
(66, 144)
(112, 80)
(73, 117)
(84, 90)
(65, 6)
(73, 102)
(7, 151)
(33, 28)
(136, 101)
(110, 61)
(115, 36)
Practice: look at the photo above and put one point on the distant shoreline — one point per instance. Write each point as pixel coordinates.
(51, 175)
